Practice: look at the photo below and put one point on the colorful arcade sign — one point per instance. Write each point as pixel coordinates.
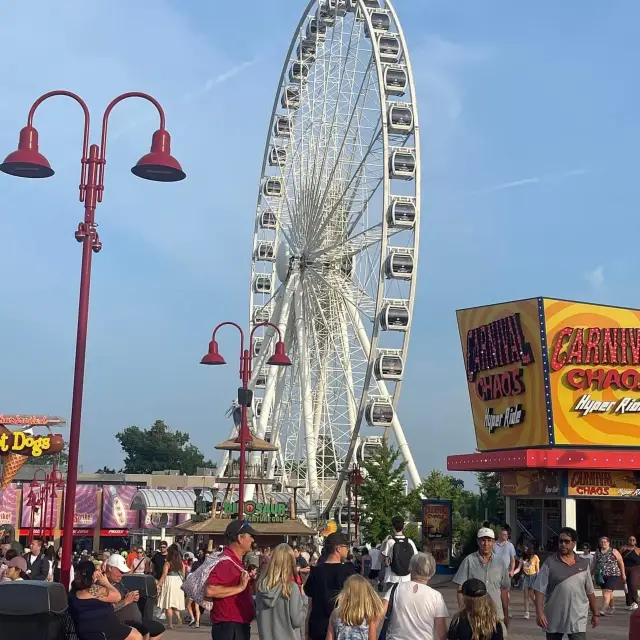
(552, 372)
(502, 351)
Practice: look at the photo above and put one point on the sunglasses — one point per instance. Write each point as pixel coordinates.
(565, 540)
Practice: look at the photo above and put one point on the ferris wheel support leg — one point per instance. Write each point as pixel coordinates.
(403, 445)
(318, 403)
(224, 461)
(306, 393)
(351, 401)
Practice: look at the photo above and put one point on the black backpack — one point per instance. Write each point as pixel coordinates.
(401, 554)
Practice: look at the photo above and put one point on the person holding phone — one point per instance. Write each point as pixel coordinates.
(127, 610)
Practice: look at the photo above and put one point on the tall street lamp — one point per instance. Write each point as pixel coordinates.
(245, 395)
(27, 162)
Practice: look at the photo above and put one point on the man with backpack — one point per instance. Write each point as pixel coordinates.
(397, 551)
(228, 585)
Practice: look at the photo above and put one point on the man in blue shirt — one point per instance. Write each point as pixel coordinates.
(504, 550)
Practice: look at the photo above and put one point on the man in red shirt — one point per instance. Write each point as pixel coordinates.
(230, 587)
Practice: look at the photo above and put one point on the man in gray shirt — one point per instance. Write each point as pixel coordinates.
(486, 566)
(564, 592)
(505, 550)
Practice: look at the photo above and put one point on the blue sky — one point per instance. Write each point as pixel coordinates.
(530, 138)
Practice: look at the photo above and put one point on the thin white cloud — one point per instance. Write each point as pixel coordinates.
(513, 184)
(595, 277)
(220, 79)
(190, 95)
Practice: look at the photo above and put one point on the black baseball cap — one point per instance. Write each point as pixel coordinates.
(474, 588)
(238, 527)
(337, 539)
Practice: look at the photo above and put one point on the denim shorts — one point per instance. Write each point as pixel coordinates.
(528, 581)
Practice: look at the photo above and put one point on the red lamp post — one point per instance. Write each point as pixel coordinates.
(245, 396)
(27, 162)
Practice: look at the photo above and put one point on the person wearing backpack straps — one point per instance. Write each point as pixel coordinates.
(397, 551)
(230, 586)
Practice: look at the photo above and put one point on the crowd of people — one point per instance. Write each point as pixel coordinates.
(339, 593)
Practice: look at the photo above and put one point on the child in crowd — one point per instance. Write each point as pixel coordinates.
(478, 619)
(358, 612)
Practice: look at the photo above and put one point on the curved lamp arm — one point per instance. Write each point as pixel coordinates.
(85, 139)
(105, 126)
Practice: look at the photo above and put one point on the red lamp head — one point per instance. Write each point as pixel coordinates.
(279, 358)
(159, 165)
(213, 357)
(27, 161)
(34, 484)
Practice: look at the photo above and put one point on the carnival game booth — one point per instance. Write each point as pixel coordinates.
(555, 398)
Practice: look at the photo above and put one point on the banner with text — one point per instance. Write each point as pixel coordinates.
(603, 484)
(437, 528)
(530, 483)
(9, 505)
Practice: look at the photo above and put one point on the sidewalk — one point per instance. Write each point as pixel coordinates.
(615, 627)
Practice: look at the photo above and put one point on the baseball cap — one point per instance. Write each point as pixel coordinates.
(118, 562)
(474, 588)
(238, 527)
(337, 539)
(485, 532)
(18, 563)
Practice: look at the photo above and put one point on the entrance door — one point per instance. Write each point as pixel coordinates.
(551, 519)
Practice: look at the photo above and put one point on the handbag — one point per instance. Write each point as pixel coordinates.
(387, 618)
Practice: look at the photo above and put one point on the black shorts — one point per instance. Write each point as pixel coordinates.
(230, 631)
(610, 583)
(150, 627)
(373, 574)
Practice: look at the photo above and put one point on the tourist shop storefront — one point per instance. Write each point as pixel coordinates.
(555, 397)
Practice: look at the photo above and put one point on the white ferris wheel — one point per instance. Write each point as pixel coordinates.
(335, 245)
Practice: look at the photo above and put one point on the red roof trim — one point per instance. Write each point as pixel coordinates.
(546, 459)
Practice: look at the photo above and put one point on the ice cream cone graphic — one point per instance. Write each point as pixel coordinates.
(12, 464)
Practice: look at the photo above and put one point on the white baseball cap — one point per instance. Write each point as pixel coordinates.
(117, 561)
(485, 532)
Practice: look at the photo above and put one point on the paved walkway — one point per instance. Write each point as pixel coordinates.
(614, 627)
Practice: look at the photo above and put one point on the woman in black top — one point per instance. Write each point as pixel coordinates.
(631, 557)
(478, 619)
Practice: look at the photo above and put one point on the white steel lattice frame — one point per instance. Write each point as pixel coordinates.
(330, 246)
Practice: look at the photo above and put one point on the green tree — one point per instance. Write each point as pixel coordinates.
(159, 448)
(106, 470)
(440, 486)
(491, 500)
(383, 493)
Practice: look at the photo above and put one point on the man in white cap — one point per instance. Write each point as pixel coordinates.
(127, 609)
(486, 566)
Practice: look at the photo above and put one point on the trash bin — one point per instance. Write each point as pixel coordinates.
(148, 589)
(32, 609)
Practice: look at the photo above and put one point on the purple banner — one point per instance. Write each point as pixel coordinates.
(86, 512)
(155, 520)
(115, 507)
(9, 505)
(38, 520)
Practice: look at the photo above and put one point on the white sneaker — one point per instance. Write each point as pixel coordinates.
(526, 615)
(632, 607)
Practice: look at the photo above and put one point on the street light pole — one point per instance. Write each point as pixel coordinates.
(213, 357)
(27, 162)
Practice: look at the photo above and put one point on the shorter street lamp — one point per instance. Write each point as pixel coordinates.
(245, 395)
(44, 502)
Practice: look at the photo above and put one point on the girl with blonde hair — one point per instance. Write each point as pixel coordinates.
(357, 613)
(281, 608)
(478, 619)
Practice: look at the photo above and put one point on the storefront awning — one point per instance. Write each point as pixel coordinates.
(181, 500)
(166, 500)
(217, 526)
(549, 458)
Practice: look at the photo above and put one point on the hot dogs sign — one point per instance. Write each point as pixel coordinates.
(19, 445)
